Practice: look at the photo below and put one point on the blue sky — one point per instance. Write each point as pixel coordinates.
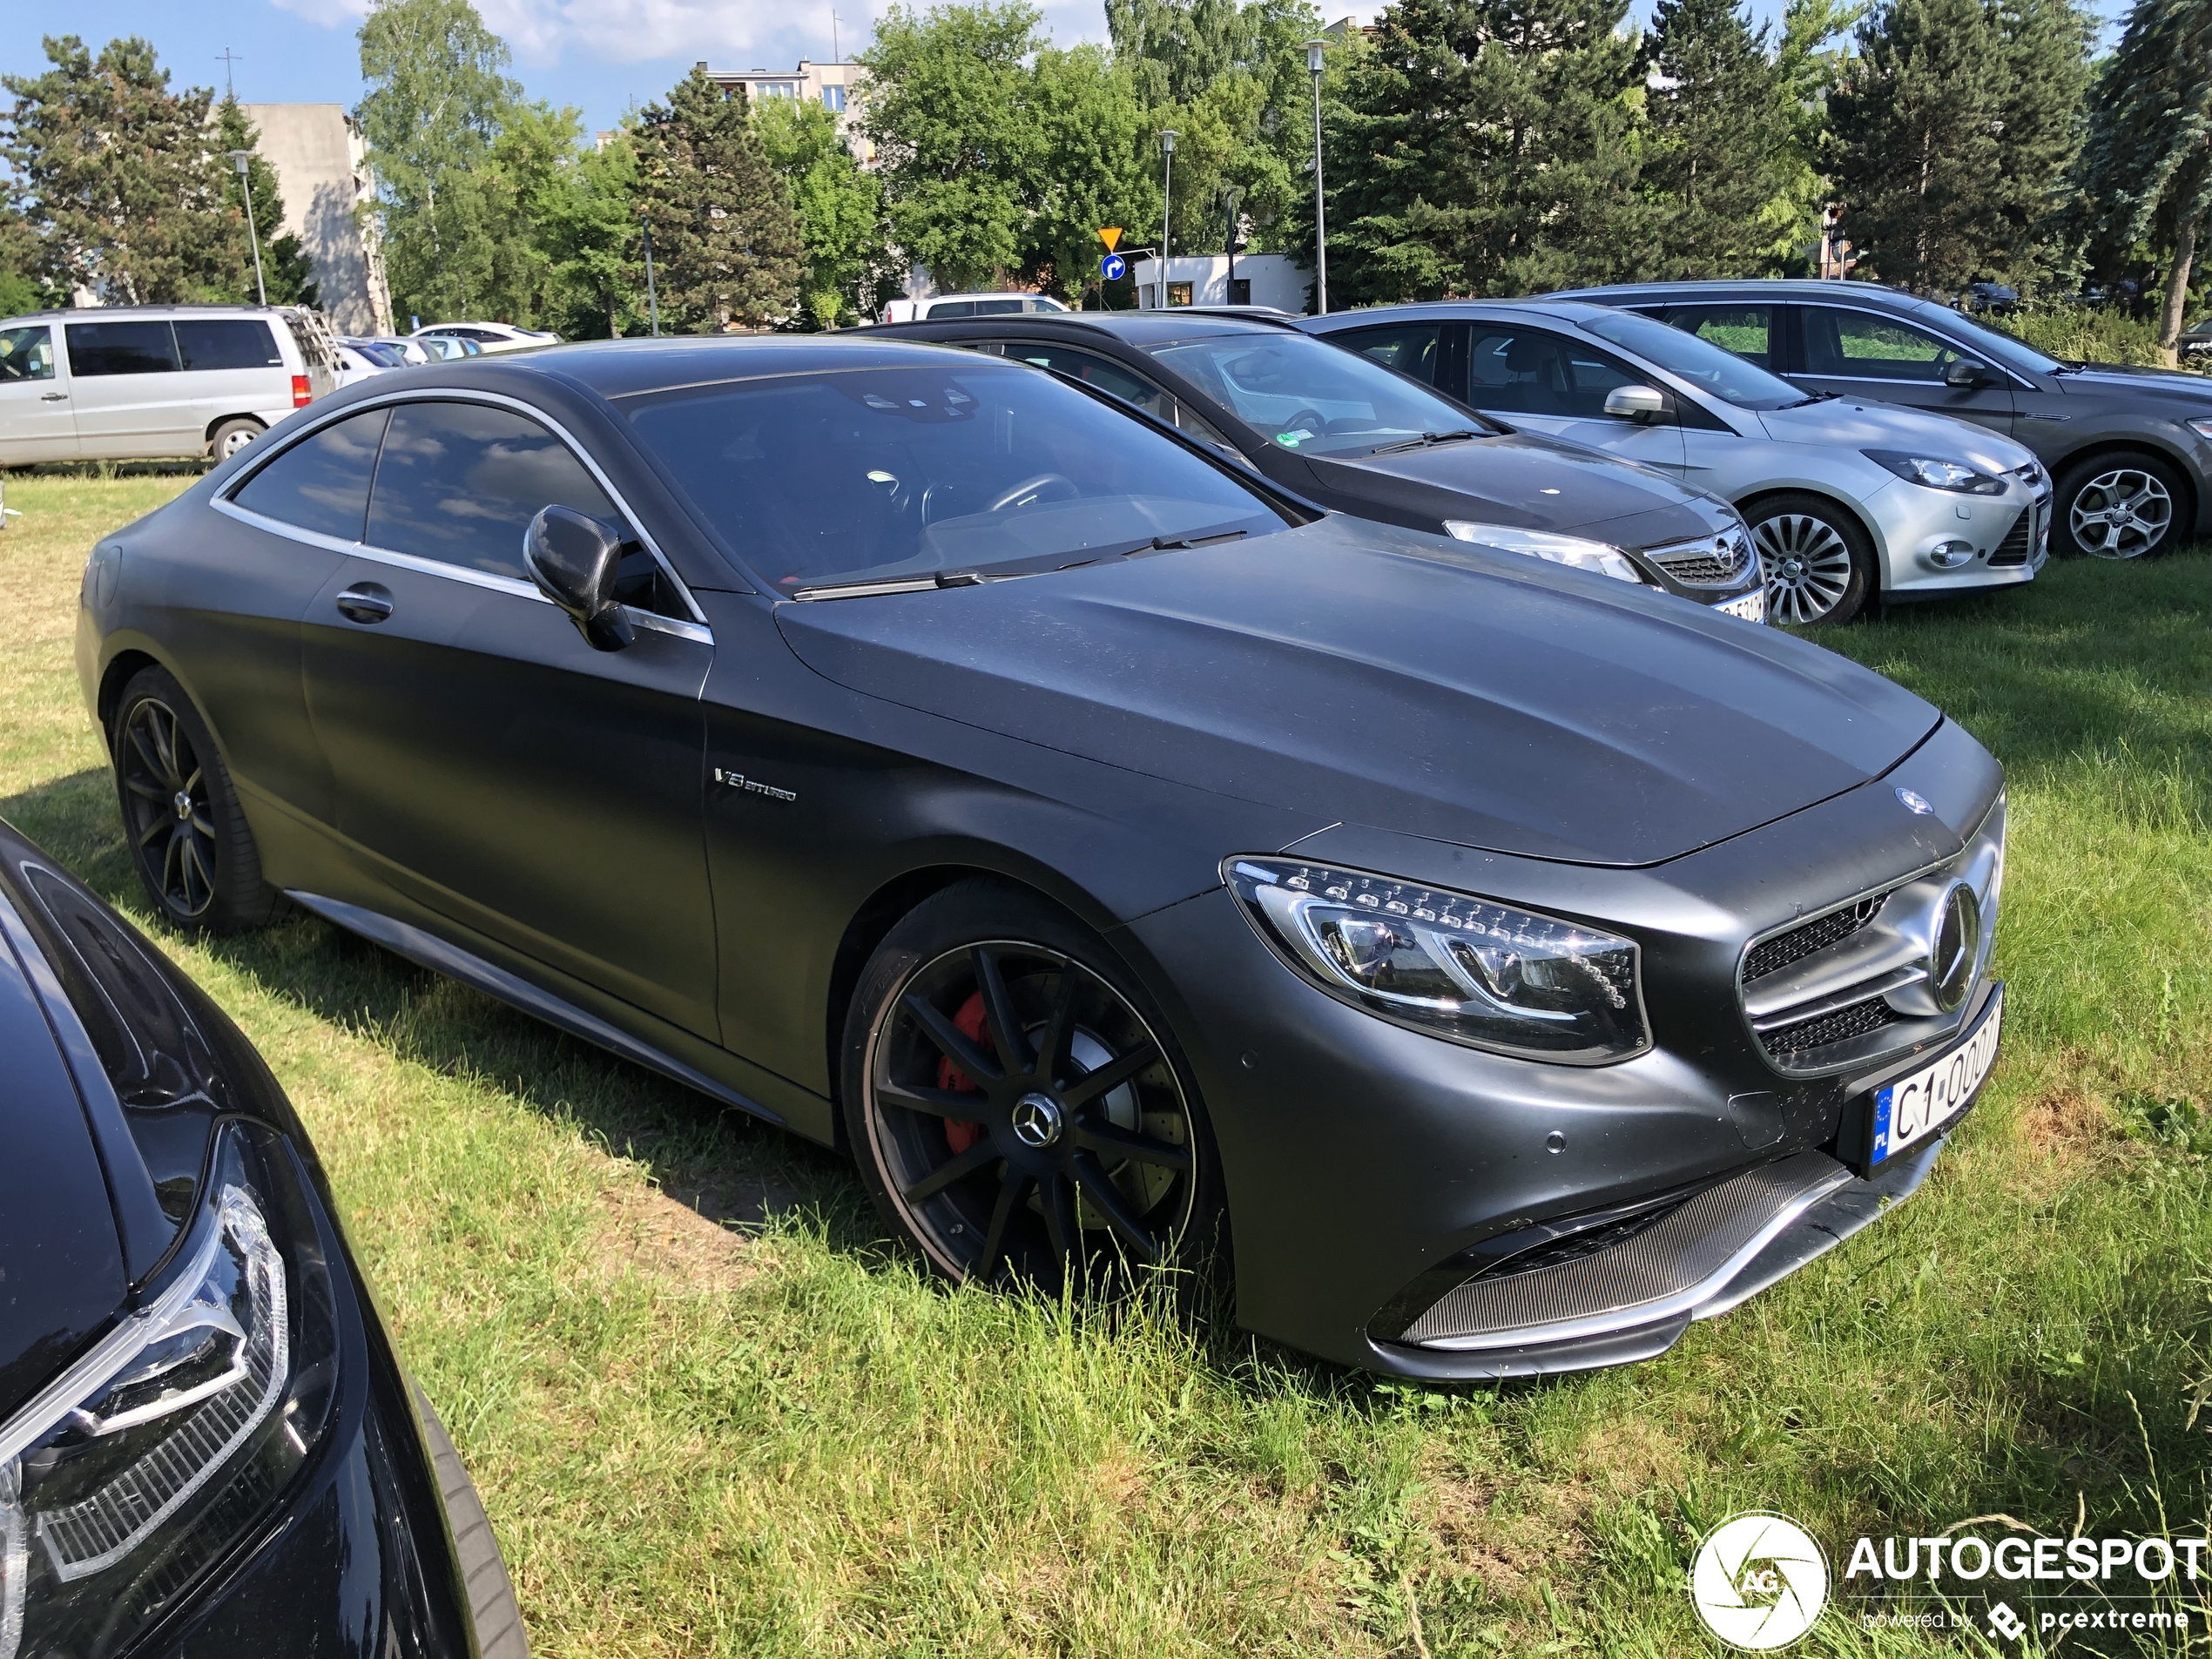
(598, 55)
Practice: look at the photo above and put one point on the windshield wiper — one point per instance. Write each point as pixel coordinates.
(1162, 543)
(1426, 438)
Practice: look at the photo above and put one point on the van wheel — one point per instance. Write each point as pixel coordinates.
(232, 436)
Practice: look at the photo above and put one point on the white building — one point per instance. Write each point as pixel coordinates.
(838, 88)
(321, 164)
(1203, 279)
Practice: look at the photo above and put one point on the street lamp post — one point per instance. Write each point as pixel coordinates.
(245, 184)
(1167, 198)
(1230, 292)
(1313, 51)
(653, 297)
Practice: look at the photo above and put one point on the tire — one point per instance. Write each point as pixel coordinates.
(2122, 505)
(1031, 1170)
(1819, 564)
(197, 861)
(232, 436)
(492, 1608)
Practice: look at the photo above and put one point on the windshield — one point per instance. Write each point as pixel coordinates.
(2008, 349)
(1708, 367)
(877, 474)
(1305, 394)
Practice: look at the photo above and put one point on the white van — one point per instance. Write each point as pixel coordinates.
(131, 383)
(968, 305)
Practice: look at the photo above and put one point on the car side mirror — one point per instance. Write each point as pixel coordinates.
(1966, 374)
(576, 559)
(1636, 402)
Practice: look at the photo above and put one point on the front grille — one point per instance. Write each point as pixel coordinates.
(1798, 1042)
(2013, 549)
(1779, 952)
(1714, 563)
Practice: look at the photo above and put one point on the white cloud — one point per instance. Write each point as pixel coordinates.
(329, 13)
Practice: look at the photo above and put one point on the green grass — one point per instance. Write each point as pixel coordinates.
(775, 1436)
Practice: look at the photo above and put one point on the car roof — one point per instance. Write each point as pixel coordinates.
(1137, 327)
(633, 367)
(1750, 287)
(127, 313)
(1552, 307)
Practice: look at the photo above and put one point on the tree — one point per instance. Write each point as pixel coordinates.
(437, 98)
(1806, 68)
(1095, 166)
(1714, 142)
(287, 271)
(1485, 147)
(2147, 168)
(116, 177)
(20, 291)
(726, 242)
(581, 204)
(839, 208)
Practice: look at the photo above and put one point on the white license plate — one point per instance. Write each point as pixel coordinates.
(1915, 1109)
(1751, 607)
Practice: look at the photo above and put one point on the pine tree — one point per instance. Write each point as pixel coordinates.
(726, 242)
(117, 176)
(2147, 168)
(1714, 138)
(287, 271)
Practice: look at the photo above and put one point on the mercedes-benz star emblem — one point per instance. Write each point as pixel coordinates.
(1036, 1120)
(1915, 802)
(1958, 943)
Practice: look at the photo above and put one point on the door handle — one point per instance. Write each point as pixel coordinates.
(53, 397)
(365, 602)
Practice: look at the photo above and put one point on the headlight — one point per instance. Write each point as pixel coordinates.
(146, 1460)
(1458, 967)
(1601, 556)
(2202, 427)
(1937, 474)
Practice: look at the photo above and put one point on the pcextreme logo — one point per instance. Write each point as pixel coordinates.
(1759, 1581)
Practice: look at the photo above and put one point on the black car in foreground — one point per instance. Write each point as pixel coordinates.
(946, 761)
(2130, 448)
(207, 1446)
(1342, 430)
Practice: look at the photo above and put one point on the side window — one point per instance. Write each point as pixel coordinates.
(225, 342)
(1525, 371)
(320, 484)
(951, 308)
(1858, 345)
(997, 308)
(1127, 385)
(1745, 330)
(121, 348)
(26, 354)
(1411, 349)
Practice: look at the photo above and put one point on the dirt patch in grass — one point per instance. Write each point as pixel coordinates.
(652, 1234)
(2070, 1133)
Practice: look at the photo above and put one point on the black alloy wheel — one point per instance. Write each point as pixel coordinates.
(189, 840)
(1016, 1109)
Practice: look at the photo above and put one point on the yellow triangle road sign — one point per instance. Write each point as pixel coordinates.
(1110, 236)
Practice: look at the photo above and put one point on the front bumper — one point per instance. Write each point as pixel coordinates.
(2009, 534)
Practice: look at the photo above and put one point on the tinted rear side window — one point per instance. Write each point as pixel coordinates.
(952, 308)
(121, 348)
(1410, 348)
(460, 482)
(227, 342)
(321, 483)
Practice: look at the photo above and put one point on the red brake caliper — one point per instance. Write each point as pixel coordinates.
(959, 1133)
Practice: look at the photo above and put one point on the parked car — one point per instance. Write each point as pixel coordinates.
(944, 760)
(1848, 502)
(447, 349)
(490, 336)
(207, 1443)
(153, 381)
(947, 306)
(409, 349)
(360, 359)
(1361, 440)
(2131, 448)
(2195, 340)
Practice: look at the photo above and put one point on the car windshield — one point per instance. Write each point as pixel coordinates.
(2008, 349)
(881, 474)
(1710, 369)
(1305, 394)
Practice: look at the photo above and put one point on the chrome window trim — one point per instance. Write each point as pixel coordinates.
(434, 567)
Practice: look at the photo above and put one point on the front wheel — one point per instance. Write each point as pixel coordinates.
(2117, 507)
(1016, 1105)
(232, 436)
(1818, 563)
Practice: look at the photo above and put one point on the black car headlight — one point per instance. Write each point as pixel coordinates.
(144, 1461)
(1471, 969)
(1935, 472)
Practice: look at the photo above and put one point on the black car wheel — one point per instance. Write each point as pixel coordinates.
(188, 836)
(2117, 507)
(1015, 1104)
(492, 1610)
(1818, 563)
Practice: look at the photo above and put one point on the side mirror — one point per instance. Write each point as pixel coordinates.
(575, 559)
(1636, 402)
(1966, 374)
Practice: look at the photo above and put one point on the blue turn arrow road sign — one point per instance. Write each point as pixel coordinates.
(1112, 267)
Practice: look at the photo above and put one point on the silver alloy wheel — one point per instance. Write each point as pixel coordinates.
(1806, 564)
(2122, 514)
(235, 440)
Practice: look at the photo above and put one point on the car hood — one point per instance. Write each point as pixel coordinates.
(1858, 423)
(1360, 674)
(1530, 482)
(2100, 380)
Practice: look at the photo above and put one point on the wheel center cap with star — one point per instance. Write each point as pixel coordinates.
(183, 803)
(1037, 1121)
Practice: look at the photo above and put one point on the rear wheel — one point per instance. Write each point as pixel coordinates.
(1016, 1104)
(232, 436)
(2121, 506)
(189, 839)
(1818, 563)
